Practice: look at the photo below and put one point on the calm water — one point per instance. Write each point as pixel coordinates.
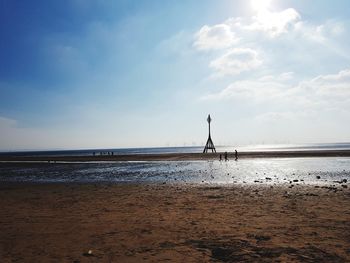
(266, 171)
(195, 149)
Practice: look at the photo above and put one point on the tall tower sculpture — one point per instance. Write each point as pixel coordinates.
(209, 145)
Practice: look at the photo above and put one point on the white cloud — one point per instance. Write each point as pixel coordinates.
(236, 61)
(274, 23)
(216, 37)
(251, 90)
(275, 117)
(327, 87)
(331, 29)
(313, 110)
(227, 34)
(274, 34)
(323, 92)
(323, 33)
(282, 77)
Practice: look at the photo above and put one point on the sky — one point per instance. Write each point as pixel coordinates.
(112, 74)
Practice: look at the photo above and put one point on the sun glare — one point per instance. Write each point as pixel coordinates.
(260, 5)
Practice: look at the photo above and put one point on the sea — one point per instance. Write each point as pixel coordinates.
(187, 149)
(329, 171)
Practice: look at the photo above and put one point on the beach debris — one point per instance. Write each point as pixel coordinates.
(129, 253)
(295, 180)
(330, 188)
(341, 181)
(344, 186)
(311, 194)
(318, 177)
(259, 237)
(268, 178)
(88, 254)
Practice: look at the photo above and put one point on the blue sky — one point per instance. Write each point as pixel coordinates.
(95, 74)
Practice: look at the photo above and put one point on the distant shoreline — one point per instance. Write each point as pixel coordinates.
(177, 156)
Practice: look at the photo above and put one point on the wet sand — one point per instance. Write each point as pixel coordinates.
(175, 156)
(174, 223)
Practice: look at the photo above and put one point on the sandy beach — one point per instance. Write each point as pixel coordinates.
(173, 223)
(174, 131)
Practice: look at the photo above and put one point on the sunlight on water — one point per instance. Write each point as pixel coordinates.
(188, 149)
(265, 171)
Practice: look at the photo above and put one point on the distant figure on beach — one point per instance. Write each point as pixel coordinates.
(225, 156)
(93, 153)
(220, 157)
(236, 155)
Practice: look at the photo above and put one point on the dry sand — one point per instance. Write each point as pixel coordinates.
(173, 223)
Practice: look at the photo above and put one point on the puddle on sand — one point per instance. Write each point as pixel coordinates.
(264, 171)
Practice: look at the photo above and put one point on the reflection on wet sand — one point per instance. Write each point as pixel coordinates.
(262, 171)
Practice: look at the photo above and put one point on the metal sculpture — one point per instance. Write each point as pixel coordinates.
(209, 145)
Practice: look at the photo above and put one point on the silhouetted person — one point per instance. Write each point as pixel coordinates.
(220, 157)
(225, 156)
(236, 154)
